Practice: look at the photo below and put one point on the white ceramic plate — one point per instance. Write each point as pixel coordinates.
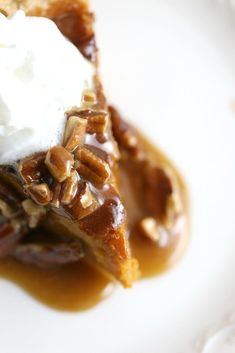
(170, 66)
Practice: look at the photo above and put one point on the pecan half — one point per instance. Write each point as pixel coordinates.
(126, 137)
(92, 167)
(157, 190)
(59, 162)
(40, 193)
(162, 195)
(74, 133)
(32, 168)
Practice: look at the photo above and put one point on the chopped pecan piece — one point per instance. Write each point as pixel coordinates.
(40, 193)
(59, 162)
(35, 212)
(150, 229)
(74, 133)
(92, 167)
(84, 203)
(86, 197)
(32, 168)
(97, 120)
(154, 231)
(49, 254)
(99, 153)
(55, 202)
(89, 98)
(69, 188)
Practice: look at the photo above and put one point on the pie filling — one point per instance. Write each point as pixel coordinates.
(101, 195)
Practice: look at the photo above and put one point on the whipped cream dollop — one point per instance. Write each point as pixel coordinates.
(42, 74)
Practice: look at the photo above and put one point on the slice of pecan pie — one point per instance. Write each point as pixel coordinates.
(70, 190)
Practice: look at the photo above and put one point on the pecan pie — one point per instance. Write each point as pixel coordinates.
(71, 190)
(66, 203)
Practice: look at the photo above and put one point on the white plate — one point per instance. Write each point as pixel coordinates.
(170, 66)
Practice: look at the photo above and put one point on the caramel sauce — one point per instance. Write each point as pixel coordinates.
(77, 287)
(73, 287)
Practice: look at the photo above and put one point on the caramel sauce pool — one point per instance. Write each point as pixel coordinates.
(77, 287)
(73, 287)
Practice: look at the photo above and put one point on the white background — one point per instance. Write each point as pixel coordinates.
(169, 65)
